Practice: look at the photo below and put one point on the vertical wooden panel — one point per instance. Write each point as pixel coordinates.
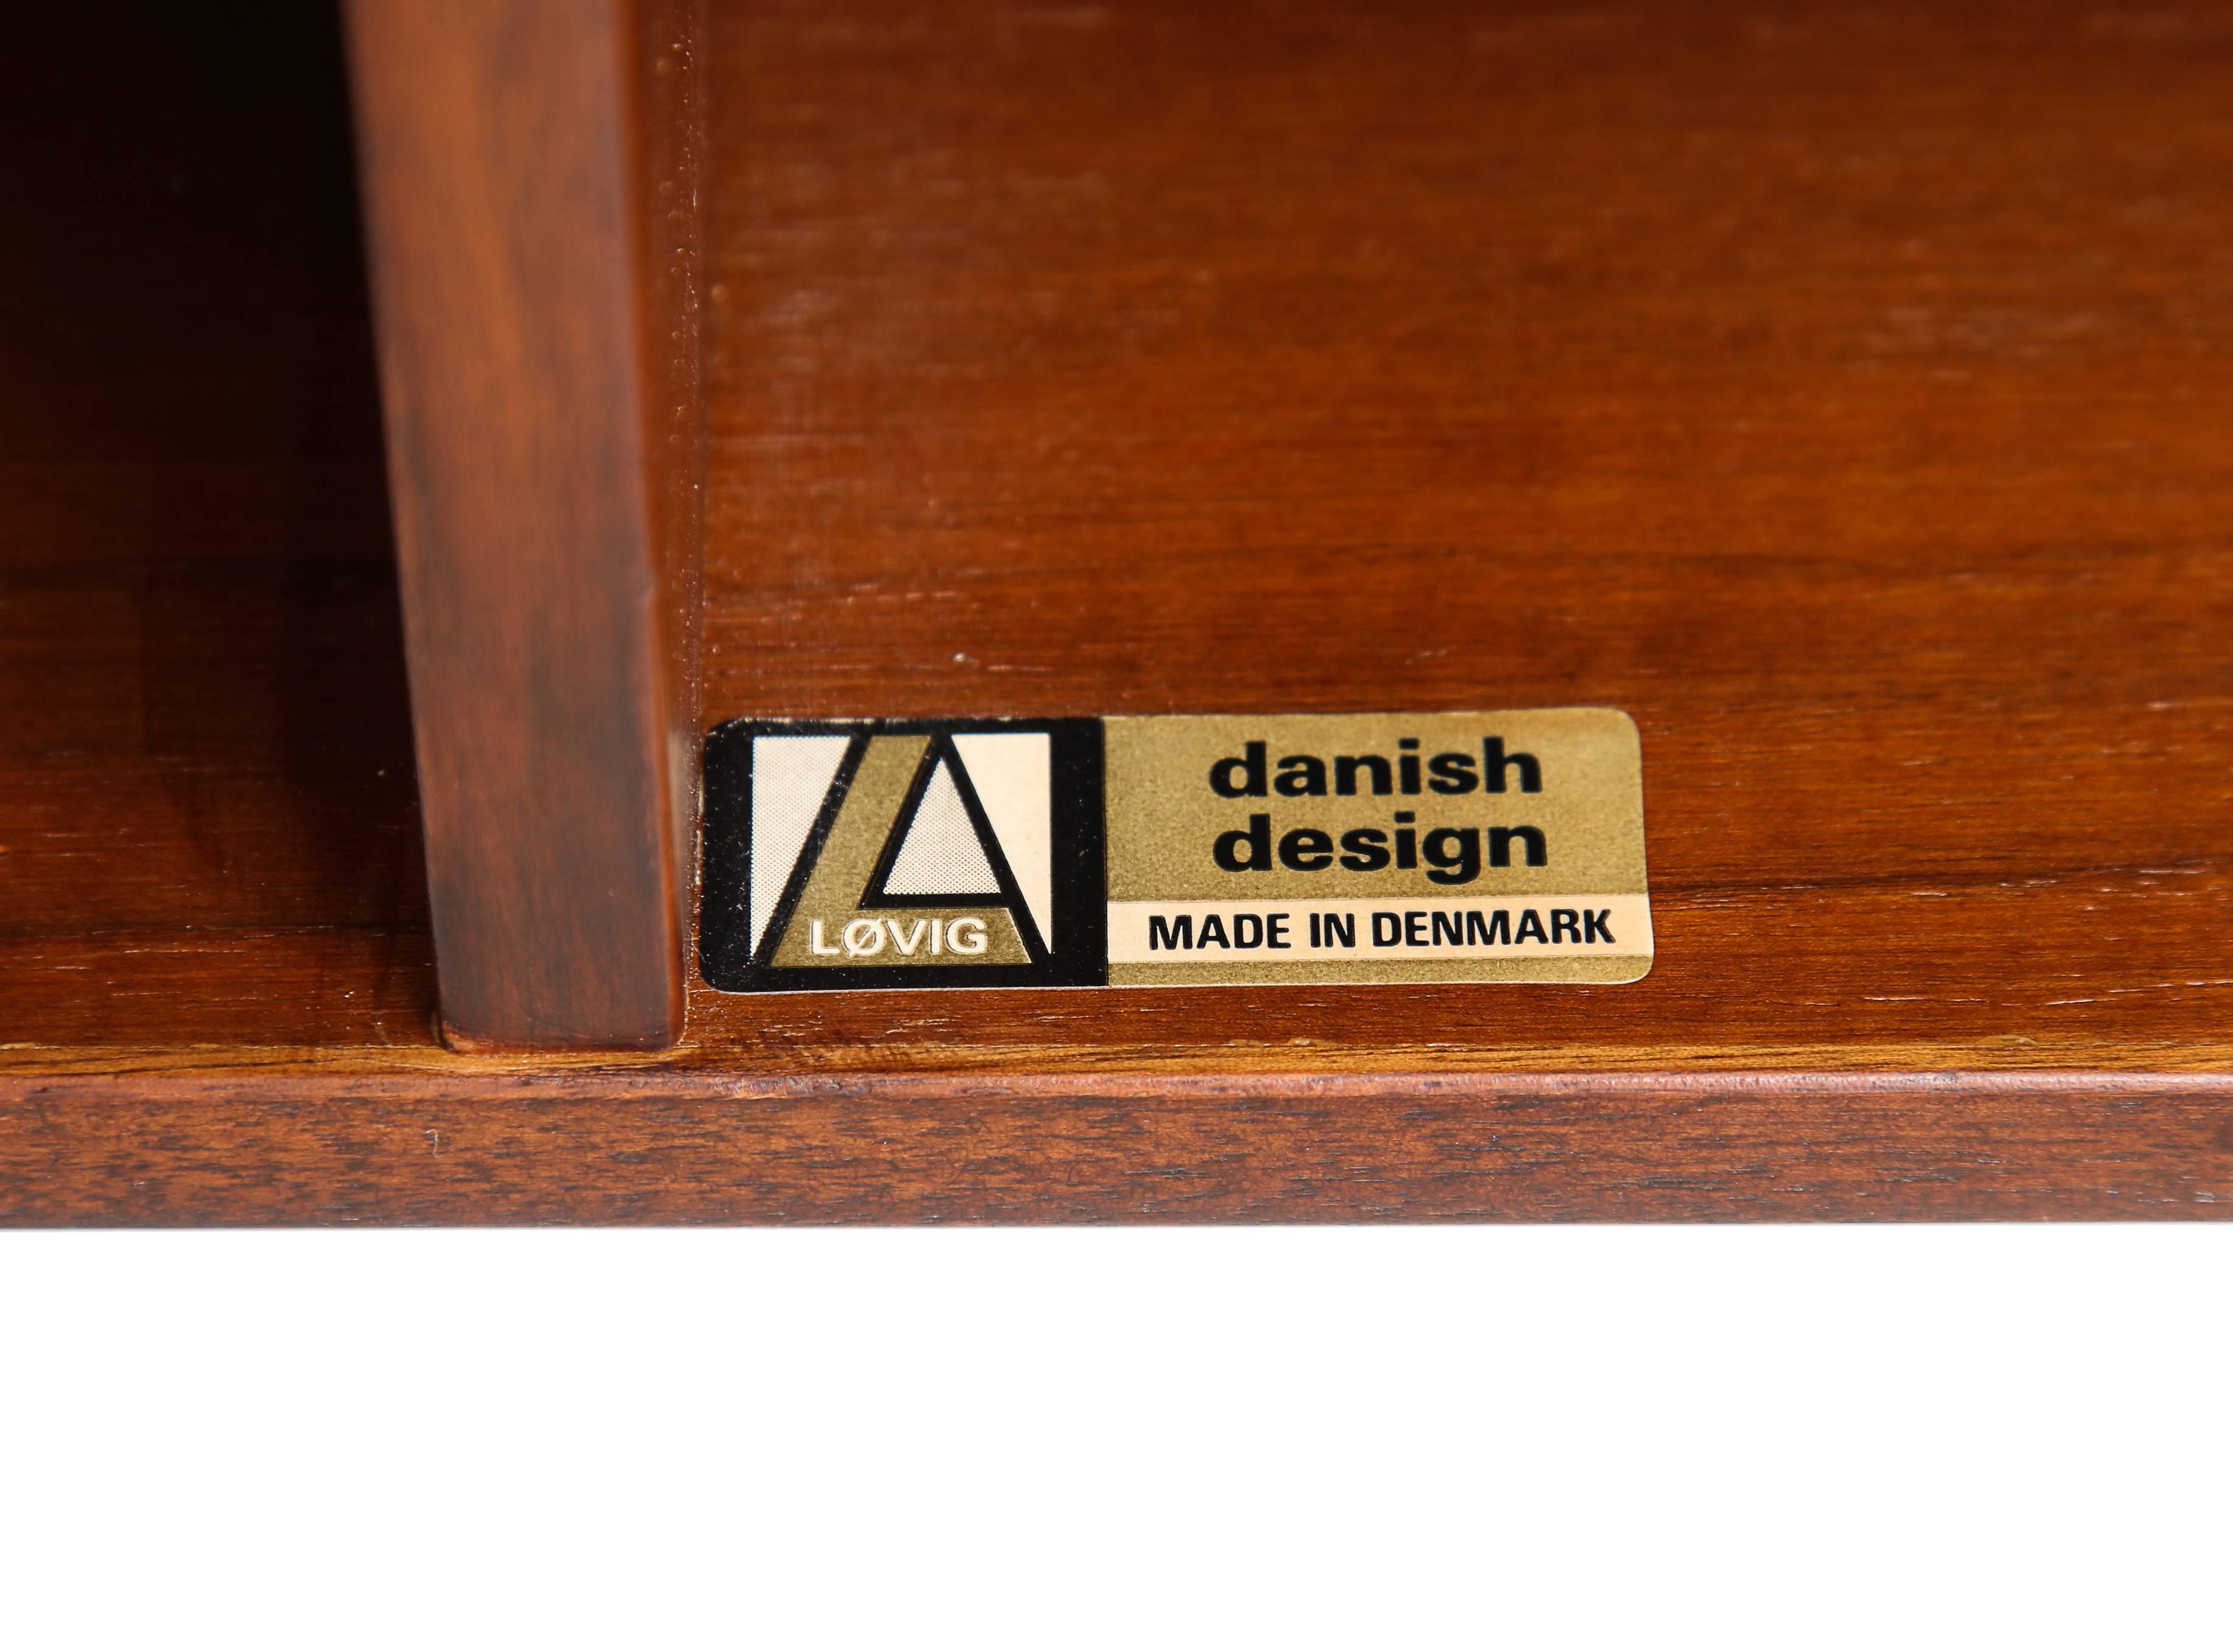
(530, 197)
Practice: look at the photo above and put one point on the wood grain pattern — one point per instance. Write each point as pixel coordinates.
(663, 1148)
(1827, 391)
(530, 179)
(1834, 391)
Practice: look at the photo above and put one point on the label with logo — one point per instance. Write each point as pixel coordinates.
(1174, 851)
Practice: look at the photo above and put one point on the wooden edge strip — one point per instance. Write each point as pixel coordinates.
(654, 1148)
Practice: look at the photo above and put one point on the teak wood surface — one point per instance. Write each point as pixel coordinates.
(531, 171)
(1838, 392)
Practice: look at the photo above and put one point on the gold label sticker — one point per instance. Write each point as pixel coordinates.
(1500, 845)
(1174, 851)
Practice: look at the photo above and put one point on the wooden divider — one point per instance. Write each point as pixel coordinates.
(530, 174)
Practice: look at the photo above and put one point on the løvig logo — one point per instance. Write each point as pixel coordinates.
(903, 855)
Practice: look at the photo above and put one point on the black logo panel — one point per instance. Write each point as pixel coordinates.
(903, 855)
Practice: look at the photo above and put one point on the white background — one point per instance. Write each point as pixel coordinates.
(1868, 1437)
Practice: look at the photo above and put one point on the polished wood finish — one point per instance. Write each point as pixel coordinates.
(668, 1146)
(530, 172)
(1834, 392)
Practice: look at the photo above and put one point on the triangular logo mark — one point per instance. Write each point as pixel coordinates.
(1013, 776)
(904, 853)
(940, 854)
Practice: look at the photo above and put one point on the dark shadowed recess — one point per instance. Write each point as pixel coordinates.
(206, 781)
